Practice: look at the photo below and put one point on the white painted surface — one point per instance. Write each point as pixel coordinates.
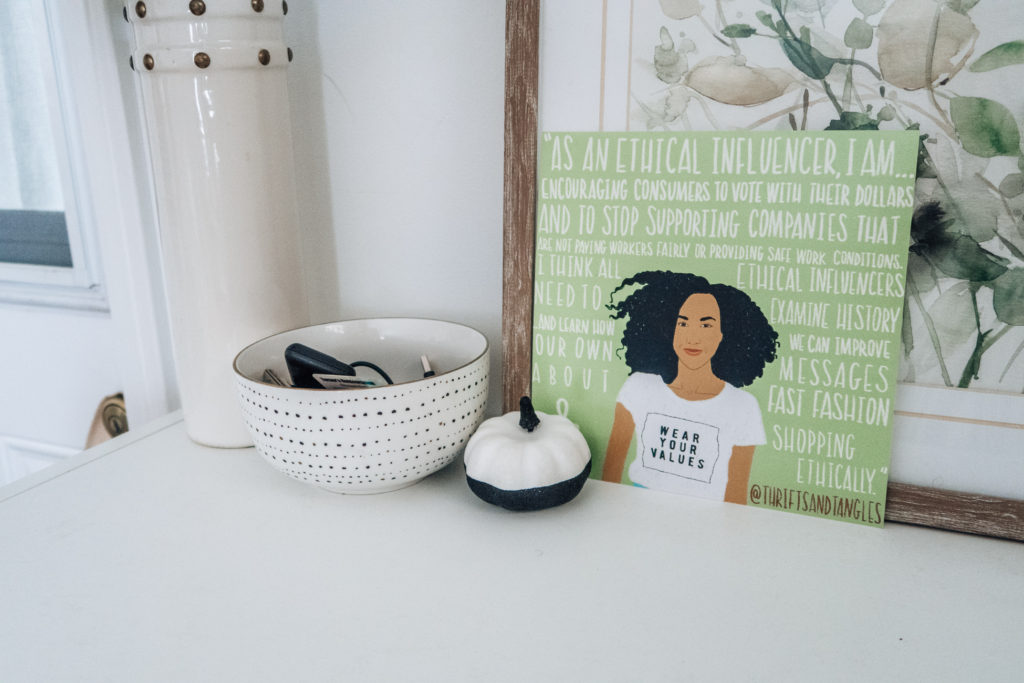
(153, 559)
(959, 439)
(397, 111)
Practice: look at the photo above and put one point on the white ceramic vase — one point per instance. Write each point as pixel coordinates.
(216, 106)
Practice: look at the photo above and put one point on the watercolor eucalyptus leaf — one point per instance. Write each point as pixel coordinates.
(669, 65)
(869, 7)
(816, 9)
(925, 164)
(972, 202)
(962, 257)
(953, 314)
(680, 9)
(922, 272)
(985, 127)
(767, 20)
(1015, 211)
(807, 58)
(962, 6)
(976, 208)
(907, 329)
(853, 120)
(825, 43)
(978, 213)
(929, 223)
(1008, 297)
(1012, 185)
(934, 238)
(918, 41)
(1006, 54)
(972, 369)
(676, 102)
(730, 81)
(859, 34)
(738, 31)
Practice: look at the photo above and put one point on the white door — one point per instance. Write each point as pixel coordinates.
(74, 332)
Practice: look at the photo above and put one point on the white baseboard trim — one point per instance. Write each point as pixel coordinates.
(20, 457)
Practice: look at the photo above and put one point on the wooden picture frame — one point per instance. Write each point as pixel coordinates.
(912, 504)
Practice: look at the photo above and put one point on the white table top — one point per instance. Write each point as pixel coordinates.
(153, 559)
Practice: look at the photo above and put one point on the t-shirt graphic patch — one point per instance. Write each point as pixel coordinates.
(680, 447)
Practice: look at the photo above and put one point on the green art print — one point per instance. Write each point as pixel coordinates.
(720, 312)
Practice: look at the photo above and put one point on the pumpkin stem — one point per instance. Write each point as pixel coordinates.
(528, 419)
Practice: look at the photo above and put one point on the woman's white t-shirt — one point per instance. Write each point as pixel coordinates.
(684, 446)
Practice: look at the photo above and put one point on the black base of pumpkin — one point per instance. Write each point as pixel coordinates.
(527, 500)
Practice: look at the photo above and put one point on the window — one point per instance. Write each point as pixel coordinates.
(45, 256)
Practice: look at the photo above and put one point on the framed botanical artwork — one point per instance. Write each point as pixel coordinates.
(938, 68)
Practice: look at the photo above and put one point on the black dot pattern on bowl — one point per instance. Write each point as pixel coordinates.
(364, 440)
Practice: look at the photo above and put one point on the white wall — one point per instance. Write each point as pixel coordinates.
(397, 112)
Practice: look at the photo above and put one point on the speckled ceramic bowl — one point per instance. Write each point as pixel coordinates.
(376, 439)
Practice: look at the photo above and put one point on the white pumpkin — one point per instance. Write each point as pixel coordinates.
(527, 460)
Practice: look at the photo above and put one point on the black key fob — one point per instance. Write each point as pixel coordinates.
(303, 362)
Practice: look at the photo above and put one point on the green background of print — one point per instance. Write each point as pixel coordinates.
(578, 366)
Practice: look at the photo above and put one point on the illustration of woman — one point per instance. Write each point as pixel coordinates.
(689, 346)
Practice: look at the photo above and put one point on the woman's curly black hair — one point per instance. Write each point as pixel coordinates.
(748, 339)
